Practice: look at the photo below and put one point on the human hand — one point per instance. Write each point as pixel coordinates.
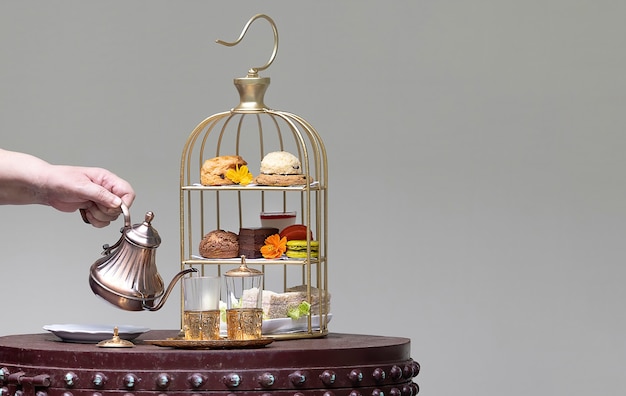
(97, 192)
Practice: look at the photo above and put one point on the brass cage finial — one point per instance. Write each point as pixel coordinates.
(253, 72)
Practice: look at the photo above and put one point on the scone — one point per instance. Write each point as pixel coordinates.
(213, 171)
(280, 180)
(219, 244)
(280, 168)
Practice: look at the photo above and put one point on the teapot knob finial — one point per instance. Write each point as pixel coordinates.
(149, 217)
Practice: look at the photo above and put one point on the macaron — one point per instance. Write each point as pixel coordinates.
(295, 231)
(296, 248)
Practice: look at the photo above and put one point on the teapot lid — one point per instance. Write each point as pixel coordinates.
(144, 234)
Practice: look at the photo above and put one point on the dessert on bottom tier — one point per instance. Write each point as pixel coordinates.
(251, 240)
(277, 305)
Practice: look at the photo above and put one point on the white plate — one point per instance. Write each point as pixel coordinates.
(93, 333)
(285, 325)
(288, 325)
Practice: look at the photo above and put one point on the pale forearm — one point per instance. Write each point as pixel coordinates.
(20, 178)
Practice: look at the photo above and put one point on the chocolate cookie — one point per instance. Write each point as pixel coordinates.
(219, 244)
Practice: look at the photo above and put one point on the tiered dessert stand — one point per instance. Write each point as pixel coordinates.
(251, 129)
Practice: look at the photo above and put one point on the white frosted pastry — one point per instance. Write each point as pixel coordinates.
(281, 163)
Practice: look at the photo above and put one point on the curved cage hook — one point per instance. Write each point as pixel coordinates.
(253, 72)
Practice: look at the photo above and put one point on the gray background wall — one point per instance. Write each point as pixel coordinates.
(476, 154)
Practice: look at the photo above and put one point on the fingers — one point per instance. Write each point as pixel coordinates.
(106, 202)
(119, 187)
(98, 216)
(107, 189)
(106, 207)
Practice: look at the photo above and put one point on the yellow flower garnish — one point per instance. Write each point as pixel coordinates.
(274, 246)
(240, 175)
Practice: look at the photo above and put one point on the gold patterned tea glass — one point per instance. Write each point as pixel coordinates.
(244, 323)
(244, 302)
(201, 325)
(201, 316)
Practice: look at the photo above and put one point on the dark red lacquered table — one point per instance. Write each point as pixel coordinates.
(338, 364)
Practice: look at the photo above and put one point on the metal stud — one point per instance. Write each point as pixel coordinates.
(266, 380)
(130, 380)
(70, 379)
(328, 377)
(99, 380)
(356, 376)
(163, 381)
(297, 378)
(4, 374)
(196, 380)
(396, 373)
(379, 375)
(232, 380)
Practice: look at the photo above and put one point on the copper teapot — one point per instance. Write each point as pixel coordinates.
(127, 275)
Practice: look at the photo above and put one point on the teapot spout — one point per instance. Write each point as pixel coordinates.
(168, 290)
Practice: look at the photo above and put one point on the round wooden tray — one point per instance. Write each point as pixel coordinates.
(223, 343)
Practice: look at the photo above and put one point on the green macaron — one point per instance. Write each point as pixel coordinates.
(297, 248)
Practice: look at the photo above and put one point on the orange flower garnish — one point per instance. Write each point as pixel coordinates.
(274, 246)
(240, 175)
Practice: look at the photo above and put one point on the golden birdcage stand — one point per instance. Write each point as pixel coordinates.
(251, 130)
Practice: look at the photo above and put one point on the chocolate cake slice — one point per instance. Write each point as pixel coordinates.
(251, 240)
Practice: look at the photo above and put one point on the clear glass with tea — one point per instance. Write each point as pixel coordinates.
(201, 314)
(244, 313)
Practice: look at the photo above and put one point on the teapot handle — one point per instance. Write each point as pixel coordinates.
(126, 212)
